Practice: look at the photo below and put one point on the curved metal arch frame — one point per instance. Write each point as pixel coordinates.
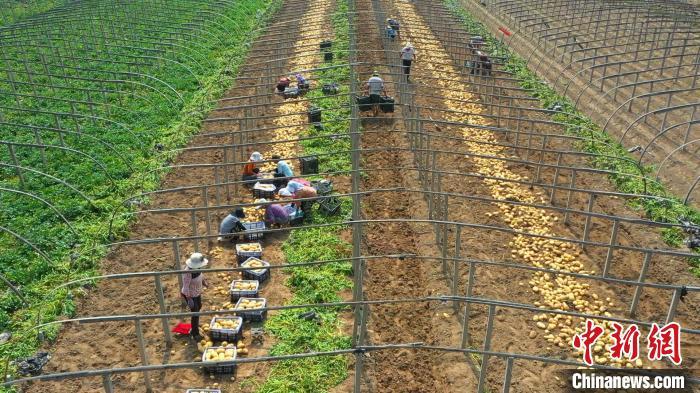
(45, 202)
(54, 178)
(79, 152)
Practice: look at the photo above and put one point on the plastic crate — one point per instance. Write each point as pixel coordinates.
(291, 92)
(239, 293)
(243, 255)
(309, 165)
(329, 206)
(253, 230)
(263, 190)
(323, 187)
(254, 315)
(215, 367)
(229, 335)
(259, 274)
(314, 114)
(387, 105)
(364, 103)
(203, 391)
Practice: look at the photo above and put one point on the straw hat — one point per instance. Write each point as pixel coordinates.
(196, 261)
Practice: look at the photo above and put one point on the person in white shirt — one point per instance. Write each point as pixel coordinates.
(408, 54)
(375, 88)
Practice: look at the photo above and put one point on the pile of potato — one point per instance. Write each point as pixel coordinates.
(205, 343)
(250, 304)
(253, 214)
(556, 291)
(292, 125)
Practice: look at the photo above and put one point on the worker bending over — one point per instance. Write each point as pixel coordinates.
(250, 170)
(282, 173)
(231, 224)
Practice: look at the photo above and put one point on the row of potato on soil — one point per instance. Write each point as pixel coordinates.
(557, 292)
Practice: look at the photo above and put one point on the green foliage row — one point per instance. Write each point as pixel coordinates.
(12, 11)
(626, 174)
(322, 283)
(152, 116)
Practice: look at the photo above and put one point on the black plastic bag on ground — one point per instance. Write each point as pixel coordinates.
(32, 365)
(330, 88)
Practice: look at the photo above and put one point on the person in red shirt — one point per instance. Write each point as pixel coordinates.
(250, 171)
(283, 83)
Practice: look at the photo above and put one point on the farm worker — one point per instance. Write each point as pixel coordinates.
(303, 182)
(293, 186)
(291, 208)
(282, 171)
(391, 33)
(394, 24)
(276, 214)
(231, 224)
(375, 88)
(285, 193)
(408, 54)
(192, 285)
(249, 170)
(282, 84)
(484, 65)
(306, 192)
(302, 83)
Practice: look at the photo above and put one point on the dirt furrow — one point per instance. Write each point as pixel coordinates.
(432, 323)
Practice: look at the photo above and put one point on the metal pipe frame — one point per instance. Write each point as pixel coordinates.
(426, 155)
(669, 38)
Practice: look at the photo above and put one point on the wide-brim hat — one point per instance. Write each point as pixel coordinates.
(256, 157)
(196, 261)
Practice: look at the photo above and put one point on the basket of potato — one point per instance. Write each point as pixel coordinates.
(214, 355)
(255, 269)
(244, 288)
(251, 309)
(263, 190)
(247, 250)
(225, 328)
